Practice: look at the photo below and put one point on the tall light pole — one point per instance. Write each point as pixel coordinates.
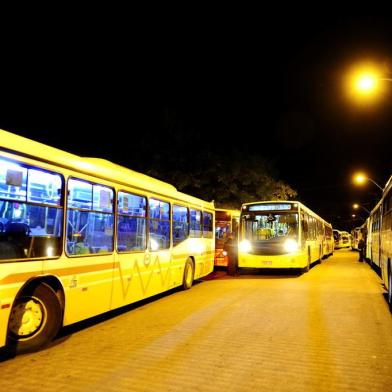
(361, 178)
(356, 206)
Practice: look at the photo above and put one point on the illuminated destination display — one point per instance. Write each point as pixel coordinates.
(269, 207)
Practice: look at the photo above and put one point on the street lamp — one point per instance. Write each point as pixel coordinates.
(365, 83)
(361, 178)
(356, 206)
(368, 83)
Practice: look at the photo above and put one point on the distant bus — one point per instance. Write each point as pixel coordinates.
(356, 235)
(226, 223)
(342, 239)
(82, 236)
(282, 234)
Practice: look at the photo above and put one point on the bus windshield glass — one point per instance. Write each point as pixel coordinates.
(267, 226)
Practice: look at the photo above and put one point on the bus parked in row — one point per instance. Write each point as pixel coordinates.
(356, 235)
(379, 238)
(342, 239)
(226, 224)
(282, 234)
(82, 236)
(373, 243)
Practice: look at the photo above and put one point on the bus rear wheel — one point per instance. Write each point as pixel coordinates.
(35, 319)
(189, 274)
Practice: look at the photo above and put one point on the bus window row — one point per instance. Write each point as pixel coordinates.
(32, 213)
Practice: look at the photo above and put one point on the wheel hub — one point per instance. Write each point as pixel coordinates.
(26, 318)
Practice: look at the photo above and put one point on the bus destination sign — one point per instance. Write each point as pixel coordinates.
(270, 207)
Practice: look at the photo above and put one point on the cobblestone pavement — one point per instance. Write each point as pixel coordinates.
(328, 330)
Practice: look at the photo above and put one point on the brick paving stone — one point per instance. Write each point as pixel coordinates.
(327, 330)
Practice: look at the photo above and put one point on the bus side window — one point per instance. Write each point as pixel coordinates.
(90, 218)
(305, 228)
(195, 224)
(131, 223)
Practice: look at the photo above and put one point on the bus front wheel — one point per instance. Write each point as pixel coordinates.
(189, 273)
(35, 319)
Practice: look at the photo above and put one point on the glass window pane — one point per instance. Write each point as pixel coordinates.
(102, 198)
(29, 231)
(44, 187)
(207, 225)
(133, 205)
(89, 232)
(180, 214)
(159, 209)
(13, 181)
(159, 235)
(80, 194)
(195, 223)
(131, 234)
(180, 224)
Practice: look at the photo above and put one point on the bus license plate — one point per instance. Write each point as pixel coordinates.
(267, 262)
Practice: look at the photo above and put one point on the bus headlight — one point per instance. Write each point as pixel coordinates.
(245, 246)
(290, 246)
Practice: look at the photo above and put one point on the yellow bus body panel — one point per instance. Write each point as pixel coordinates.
(94, 284)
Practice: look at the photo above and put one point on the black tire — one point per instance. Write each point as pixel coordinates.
(189, 274)
(39, 310)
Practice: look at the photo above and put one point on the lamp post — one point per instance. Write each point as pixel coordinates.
(361, 178)
(356, 206)
(365, 83)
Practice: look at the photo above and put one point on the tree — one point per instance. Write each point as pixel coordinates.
(228, 179)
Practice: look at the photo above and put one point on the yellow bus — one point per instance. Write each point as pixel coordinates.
(373, 251)
(282, 234)
(385, 230)
(342, 239)
(226, 223)
(82, 236)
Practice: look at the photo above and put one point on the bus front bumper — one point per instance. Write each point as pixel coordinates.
(279, 261)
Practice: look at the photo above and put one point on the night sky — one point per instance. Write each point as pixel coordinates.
(272, 88)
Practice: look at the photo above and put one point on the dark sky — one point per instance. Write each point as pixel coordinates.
(271, 87)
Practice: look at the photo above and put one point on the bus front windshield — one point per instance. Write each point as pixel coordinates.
(270, 226)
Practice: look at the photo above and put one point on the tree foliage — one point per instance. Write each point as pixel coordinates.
(229, 179)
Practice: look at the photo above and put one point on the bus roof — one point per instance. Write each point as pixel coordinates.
(287, 202)
(97, 167)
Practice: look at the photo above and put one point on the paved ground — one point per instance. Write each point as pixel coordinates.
(328, 330)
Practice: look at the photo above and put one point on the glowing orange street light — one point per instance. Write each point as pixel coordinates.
(361, 178)
(365, 83)
(356, 206)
